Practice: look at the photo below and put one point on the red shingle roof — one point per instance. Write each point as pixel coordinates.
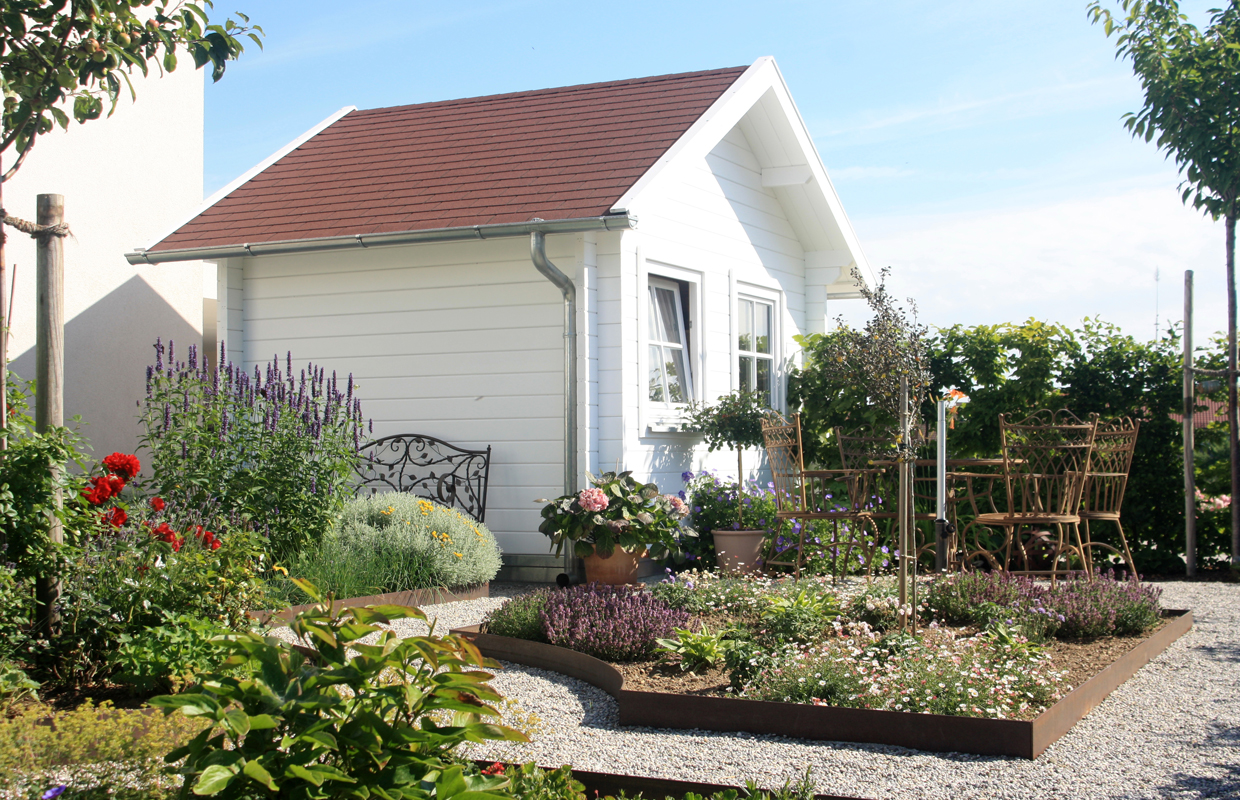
(555, 154)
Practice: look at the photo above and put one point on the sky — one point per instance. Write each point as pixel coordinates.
(977, 147)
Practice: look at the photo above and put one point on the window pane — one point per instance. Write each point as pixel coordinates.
(746, 384)
(764, 380)
(678, 389)
(762, 327)
(664, 315)
(744, 325)
(656, 375)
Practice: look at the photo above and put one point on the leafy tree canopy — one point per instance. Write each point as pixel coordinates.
(66, 57)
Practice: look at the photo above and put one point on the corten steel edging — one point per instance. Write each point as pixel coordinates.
(415, 597)
(1059, 718)
(609, 784)
(930, 732)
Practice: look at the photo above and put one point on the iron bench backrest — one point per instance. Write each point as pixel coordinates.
(427, 467)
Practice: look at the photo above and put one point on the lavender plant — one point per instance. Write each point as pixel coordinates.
(275, 446)
(614, 623)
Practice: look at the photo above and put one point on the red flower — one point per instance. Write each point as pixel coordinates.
(206, 537)
(495, 769)
(165, 533)
(123, 465)
(115, 516)
(102, 488)
(158, 504)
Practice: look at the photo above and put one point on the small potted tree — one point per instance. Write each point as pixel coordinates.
(735, 421)
(613, 523)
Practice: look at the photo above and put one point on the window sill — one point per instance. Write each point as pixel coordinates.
(667, 421)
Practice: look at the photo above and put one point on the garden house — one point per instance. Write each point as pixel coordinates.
(436, 251)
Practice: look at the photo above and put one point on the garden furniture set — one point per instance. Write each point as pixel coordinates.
(1057, 473)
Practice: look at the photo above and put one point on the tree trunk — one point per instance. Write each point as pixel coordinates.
(740, 487)
(1232, 427)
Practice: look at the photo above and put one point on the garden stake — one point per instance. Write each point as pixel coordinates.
(902, 503)
(1190, 494)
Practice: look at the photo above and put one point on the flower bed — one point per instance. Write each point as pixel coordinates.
(987, 671)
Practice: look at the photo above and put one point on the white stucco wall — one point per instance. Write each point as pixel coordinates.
(462, 341)
(711, 221)
(125, 179)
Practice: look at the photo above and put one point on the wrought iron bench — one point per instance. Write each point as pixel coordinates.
(427, 467)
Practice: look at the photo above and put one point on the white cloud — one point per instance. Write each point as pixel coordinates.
(1059, 261)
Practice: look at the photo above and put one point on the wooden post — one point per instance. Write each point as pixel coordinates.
(50, 375)
(4, 330)
(1190, 487)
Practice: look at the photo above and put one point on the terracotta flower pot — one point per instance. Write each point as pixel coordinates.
(618, 569)
(738, 551)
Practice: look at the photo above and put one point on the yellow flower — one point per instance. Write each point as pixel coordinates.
(281, 570)
(458, 555)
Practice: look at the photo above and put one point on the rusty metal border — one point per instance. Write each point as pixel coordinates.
(415, 597)
(930, 732)
(610, 784)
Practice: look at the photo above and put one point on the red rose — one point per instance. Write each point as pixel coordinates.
(116, 484)
(495, 769)
(101, 489)
(122, 465)
(158, 504)
(115, 516)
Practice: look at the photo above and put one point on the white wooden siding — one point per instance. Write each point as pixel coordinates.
(461, 340)
(711, 216)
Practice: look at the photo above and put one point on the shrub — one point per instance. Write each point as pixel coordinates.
(615, 623)
(15, 686)
(398, 542)
(16, 607)
(168, 656)
(799, 618)
(278, 449)
(532, 782)
(694, 649)
(1104, 607)
(89, 734)
(877, 606)
(520, 617)
(354, 720)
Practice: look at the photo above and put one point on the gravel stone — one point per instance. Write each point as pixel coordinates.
(1172, 730)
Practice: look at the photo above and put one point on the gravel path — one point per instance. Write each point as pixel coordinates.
(1173, 730)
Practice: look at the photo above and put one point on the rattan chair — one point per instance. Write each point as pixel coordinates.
(1105, 483)
(1045, 460)
(804, 495)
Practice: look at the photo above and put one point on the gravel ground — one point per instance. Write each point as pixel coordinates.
(1173, 730)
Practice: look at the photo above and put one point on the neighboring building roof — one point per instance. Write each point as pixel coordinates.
(1214, 411)
(553, 154)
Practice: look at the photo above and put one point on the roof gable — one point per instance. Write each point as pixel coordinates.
(553, 154)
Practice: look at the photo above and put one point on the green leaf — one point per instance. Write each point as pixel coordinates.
(214, 779)
(259, 773)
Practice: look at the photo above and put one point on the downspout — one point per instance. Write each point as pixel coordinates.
(538, 253)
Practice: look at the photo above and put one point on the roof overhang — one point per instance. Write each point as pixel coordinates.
(612, 222)
(759, 103)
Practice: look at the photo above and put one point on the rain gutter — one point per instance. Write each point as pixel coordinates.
(612, 222)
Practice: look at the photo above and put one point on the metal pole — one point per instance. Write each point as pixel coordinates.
(1233, 424)
(50, 376)
(1190, 493)
(940, 519)
(902, 506)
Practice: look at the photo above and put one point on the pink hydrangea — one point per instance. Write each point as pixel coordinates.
(679, 508)
(592, 499)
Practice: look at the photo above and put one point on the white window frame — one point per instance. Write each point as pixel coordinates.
(775, 299)
(657, 417)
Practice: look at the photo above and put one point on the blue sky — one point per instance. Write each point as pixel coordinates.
(977, 146)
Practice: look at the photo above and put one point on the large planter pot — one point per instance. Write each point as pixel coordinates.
(618, 569)
(738, 551)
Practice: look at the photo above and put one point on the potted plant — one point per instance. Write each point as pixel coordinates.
(613, 523)
(735, 421)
